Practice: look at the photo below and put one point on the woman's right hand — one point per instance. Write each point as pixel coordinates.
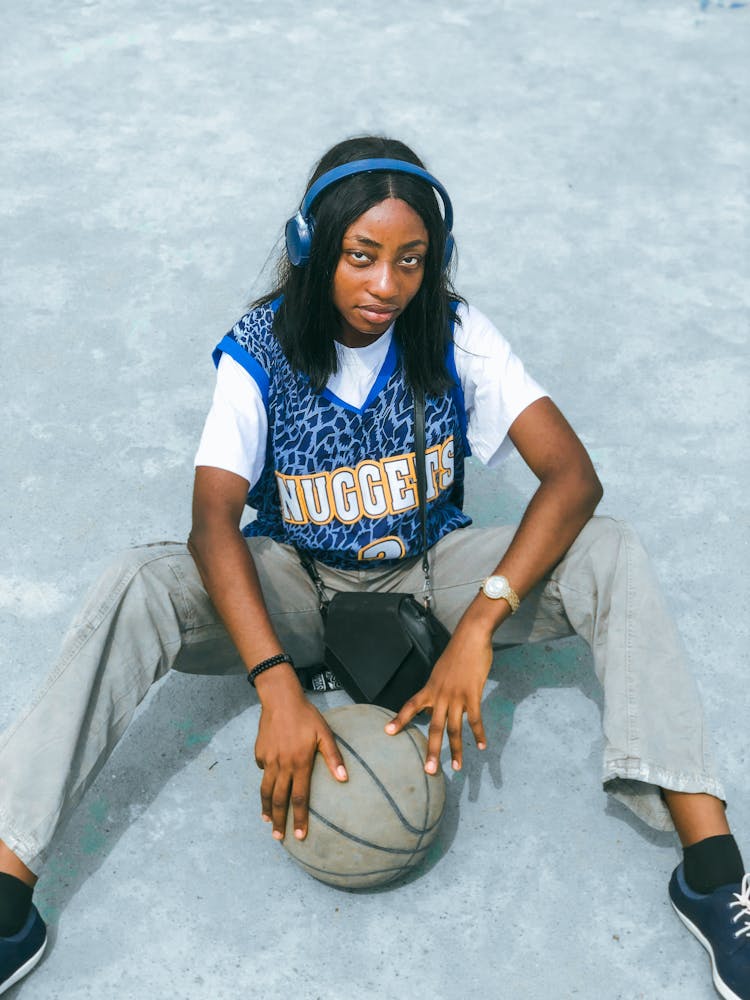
(291, 731)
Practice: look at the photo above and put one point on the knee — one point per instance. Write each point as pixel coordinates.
(131, 579)
(144, 567)
(602, 529)
(607, 537)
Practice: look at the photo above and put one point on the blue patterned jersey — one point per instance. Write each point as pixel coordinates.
(339, 481)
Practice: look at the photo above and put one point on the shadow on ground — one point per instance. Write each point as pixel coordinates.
(183, 715)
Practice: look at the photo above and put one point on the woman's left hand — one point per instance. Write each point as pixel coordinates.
(568, 493)
(455, 687)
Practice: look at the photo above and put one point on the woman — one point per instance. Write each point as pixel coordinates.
(312, 424)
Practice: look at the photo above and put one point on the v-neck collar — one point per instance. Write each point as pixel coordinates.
(386, 370)
(366, 358)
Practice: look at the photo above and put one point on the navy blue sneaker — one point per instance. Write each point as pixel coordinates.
(721, 922)
(20, 953)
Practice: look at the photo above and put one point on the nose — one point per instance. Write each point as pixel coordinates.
(383, 280)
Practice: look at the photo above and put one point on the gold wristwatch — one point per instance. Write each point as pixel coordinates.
(496, 587)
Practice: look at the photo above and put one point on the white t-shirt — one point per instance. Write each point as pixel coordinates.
(495, 385)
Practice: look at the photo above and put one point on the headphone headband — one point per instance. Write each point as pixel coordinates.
(299, 229)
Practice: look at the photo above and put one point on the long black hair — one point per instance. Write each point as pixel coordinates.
(306, 321)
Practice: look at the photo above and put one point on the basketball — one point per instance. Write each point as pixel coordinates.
(379, 824)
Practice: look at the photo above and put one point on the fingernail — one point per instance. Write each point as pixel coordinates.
(482, 746)
(278, 835)
(456, 765)
(266, 819)
(299, 834)
(391, 727)
(341, 772)
(431, 766)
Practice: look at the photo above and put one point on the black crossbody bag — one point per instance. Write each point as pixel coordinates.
(381, 647)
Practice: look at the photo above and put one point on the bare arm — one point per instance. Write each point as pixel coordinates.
(291, 730)
(568, 493)
(226, 566)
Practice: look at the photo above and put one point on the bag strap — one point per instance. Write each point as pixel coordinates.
(309, 564)
(419, 461)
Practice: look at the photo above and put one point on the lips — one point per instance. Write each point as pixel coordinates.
(377, 314)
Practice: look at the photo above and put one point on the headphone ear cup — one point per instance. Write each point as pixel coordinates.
(298, 239)
(449, 244)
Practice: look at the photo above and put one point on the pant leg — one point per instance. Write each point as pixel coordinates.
(147, 613)
(604, 589)
(654, 729)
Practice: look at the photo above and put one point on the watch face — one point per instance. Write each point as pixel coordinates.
(495, 586)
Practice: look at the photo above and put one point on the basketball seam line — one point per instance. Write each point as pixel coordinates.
(427, 802)
(360, 840)
(398, 870)
(388, 797)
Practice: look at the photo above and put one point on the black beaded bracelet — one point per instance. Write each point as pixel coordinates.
(272, 661)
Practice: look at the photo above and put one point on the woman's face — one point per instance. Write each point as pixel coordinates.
(379, 271)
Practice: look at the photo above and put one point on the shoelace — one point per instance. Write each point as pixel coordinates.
(742, 899)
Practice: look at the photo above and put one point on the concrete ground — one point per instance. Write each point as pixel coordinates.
(597, 156)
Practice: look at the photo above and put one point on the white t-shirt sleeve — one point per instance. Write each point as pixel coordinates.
(236, 428)
(496, 386)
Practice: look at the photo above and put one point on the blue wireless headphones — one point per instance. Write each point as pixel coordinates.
(299, 229)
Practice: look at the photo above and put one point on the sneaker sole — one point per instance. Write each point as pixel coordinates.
(720, 985)
(24, 969)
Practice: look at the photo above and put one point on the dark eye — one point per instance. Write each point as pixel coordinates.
(412, 260)
(358, 256)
